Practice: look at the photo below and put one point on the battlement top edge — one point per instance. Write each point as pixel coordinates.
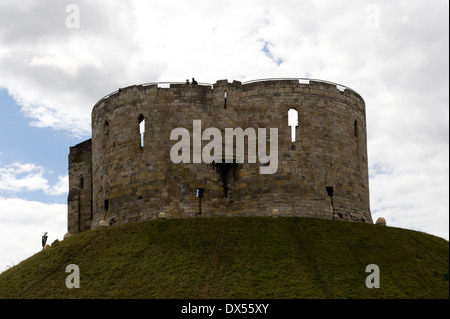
(169, 85)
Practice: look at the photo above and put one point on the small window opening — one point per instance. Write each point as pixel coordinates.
(330, 191)
(200, 192)
(106, 129)
(293, 123)
(228, 174)
(355, 128)
(225, 94)
(142, 128)
(200, 196)
(81, 182)
(106, 204)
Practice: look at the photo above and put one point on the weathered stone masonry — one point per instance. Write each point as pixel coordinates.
(323, 174)
(80, 188)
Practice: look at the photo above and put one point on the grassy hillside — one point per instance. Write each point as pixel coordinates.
(237, 258)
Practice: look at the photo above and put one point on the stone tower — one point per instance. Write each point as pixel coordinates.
(125, 173)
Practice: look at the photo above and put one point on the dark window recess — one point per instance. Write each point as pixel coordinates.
(106, 204)
(355, 128)
(106, 129)
(106, 132)
(330, 191)
(225, 99)
(81, 182)
(200, 195)
(228, 174)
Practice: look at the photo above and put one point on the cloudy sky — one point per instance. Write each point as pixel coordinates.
(58, 58)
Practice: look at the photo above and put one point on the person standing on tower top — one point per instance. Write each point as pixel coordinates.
(193, 81)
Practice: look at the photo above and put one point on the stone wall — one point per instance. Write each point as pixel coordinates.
(80, 188)
(323, 174)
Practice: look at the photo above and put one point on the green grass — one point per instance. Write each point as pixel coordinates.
(251, 257)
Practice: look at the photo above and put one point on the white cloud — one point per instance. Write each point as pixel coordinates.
(61, 187)
(22, 224)
(395, 54)
(412, 194)
(18, 177)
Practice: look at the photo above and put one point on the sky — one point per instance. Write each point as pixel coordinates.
(58, 58)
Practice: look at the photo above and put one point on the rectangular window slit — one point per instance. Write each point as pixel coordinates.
(142, 129)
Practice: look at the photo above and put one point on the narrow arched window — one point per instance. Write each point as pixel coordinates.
(355, 128)
(293, 123)
(105, 134)
(142, 128)
(81, 182)
(106, 128)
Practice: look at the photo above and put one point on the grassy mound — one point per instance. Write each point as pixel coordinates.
(251, 257)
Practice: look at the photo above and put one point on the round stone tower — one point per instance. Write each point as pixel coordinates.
(304, 152)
